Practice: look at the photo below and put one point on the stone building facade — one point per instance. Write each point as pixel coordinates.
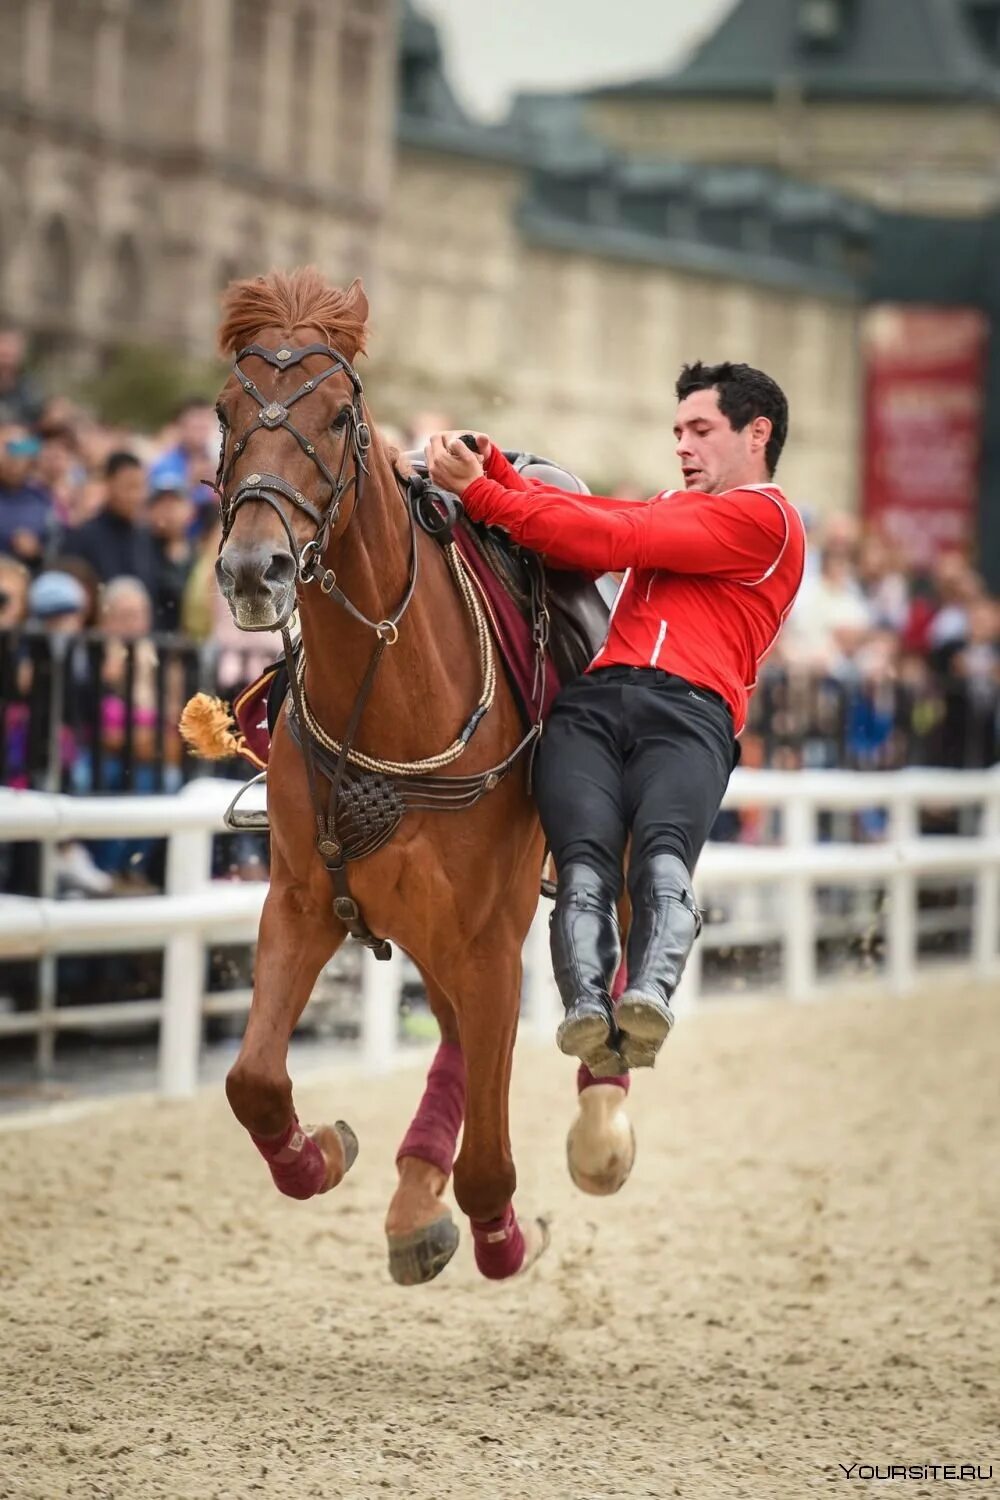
(895, 101)
(548, 288)
(531, 278)
(150, 149)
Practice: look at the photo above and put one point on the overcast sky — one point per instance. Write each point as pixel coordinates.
(494, 47)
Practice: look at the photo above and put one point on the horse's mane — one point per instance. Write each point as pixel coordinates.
(290, 300)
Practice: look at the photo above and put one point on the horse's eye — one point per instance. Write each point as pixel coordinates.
(223, 419)
(340, 420)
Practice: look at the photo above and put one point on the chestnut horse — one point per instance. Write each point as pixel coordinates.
(456, 889)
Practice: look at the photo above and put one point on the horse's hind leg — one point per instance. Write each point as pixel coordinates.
(298, 935)
(600, 1147)
(421, 1233)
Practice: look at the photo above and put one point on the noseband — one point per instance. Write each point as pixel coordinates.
(271, 489)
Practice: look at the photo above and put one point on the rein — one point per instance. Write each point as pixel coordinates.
(376, 792)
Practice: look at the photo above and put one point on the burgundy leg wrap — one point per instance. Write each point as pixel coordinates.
(295, 1161)
(433, 1134)
(499, 1245)
(584, 1077)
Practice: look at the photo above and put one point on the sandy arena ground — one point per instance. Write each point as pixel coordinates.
(802, 1273)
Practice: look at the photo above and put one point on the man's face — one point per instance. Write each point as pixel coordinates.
(18, 453)
(198, 432)
(13, 594)
(70, 623)
(713, 456)
(170, 516)
(126, 493)
(127, 615)
(11, 353)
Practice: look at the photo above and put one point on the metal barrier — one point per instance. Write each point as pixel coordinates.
(195, 911)
(90, 713)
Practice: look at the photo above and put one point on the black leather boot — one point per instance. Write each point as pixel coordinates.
(665, 923)
(586, 947)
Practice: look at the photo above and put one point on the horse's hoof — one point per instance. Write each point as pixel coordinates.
(422, 1254)
(537, 1239)
(600, 1146)
(339, 1146)
(349, 1141)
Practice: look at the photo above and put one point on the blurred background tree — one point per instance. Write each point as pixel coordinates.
(141, 385)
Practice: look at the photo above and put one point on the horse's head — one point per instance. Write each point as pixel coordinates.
(294, 436)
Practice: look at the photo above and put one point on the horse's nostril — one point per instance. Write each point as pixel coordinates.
(280, 570)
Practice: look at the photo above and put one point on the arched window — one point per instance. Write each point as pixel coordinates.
(246, 71)
(226, 272)
(300, 133)
(74, 59)
(355, 82)
(56, 272)
(12, 52)
(127, 289)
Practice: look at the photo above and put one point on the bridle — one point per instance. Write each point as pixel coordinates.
(369, 801)
(272, 489)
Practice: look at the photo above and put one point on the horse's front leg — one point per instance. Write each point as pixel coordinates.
(421, 1233)
(489, 987)
(298, 935)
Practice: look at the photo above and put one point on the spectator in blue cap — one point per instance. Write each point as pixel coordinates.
(27, 516)
(58, 601)
(192, 462)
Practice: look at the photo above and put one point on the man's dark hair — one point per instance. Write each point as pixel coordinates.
(744, 393)
(120, 460)
(190, 403)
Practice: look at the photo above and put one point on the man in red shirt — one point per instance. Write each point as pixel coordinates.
(643, 743)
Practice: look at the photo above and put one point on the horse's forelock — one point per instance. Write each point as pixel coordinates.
(290, 300)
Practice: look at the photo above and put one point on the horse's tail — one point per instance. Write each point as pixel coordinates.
(207, 727)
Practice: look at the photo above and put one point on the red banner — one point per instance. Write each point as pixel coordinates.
(925, 369)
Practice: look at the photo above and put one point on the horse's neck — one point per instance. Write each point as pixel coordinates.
(372, 562)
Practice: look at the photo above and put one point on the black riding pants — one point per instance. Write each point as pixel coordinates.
(632, 751)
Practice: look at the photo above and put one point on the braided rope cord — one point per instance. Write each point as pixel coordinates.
(487, 663)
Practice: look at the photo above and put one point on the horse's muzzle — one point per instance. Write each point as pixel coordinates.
(258, 584)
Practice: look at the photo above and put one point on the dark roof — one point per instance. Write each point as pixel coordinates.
(752, 223)
(429, 114)
(581, 194)
(891, 49)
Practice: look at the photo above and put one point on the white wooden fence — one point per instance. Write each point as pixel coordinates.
(196, 912)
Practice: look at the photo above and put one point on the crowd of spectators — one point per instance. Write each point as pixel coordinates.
(108, 530)
(108, 540)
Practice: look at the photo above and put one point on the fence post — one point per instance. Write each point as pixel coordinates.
(902, 922)
(545, 1009)
(58, 647)
(799, 822)
(189, 854)
(380, 987)
(984, 917)
(689, 989)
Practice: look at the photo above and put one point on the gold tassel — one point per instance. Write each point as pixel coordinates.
(206, 725)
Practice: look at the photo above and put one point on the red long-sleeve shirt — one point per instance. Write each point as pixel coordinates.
(709, 578)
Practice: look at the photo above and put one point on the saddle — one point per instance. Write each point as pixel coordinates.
(578, 614)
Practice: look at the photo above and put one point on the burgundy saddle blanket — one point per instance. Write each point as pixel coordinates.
(578, 621)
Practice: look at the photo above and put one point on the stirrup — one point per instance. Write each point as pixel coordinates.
(253, 821)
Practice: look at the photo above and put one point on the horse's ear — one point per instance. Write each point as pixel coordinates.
(356, 301)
